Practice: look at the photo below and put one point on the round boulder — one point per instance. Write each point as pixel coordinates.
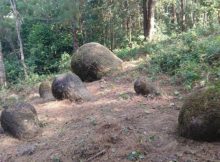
(199, 117)
(144, 87)
(20, 121)
(69, 86)
(45, 90)
(92, 61)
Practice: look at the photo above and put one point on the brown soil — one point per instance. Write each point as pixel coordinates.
(111, 127)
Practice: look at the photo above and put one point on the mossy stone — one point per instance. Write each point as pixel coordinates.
(45, 90)
(199, 117)
(145, 87)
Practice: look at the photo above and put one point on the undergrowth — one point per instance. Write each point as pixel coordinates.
(190, 58)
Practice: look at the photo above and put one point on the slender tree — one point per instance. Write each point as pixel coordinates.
(182, 6)
(18, 30)
(173, 10)
(2, 68)
(148, 18)
(219, 16)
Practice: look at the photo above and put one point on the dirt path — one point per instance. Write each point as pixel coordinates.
(117, 126)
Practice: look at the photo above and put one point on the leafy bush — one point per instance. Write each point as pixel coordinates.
(13, 69)
(188, 56)
(126, 53)
(64, 63)
(189, 71)
(46, 44)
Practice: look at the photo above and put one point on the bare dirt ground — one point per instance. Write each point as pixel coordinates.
(117, 126)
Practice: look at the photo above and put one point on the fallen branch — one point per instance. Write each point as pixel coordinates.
(96, 155)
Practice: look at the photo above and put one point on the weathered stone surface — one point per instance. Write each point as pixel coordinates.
(69, 86)
(199, 117)
(92, 61)
(144, 87)
(45, 90)
(20, 120)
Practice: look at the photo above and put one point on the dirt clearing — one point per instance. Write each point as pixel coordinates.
(117, 126)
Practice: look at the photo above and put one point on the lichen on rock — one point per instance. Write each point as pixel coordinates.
(199, 117)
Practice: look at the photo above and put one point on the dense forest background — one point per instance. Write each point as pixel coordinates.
(181, 38)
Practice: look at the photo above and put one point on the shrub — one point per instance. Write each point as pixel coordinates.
(13, 69)
(64, 63)
(46, 43)
(188, 56)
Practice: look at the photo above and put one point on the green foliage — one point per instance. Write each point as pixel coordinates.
(213, 51)
(124, 96)
(64, 63)
(13, 69)
(48, 28)
(188, 57)
(189, 71)
(45, 44)
(135, 156)
(127, 53)
(112, 20)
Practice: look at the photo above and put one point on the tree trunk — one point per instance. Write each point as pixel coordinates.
(112, 35)
(75, 36)
(219, 16)
(18, 30)
(148, 12)
(194, 19)
(145, 17)
(182, 15)
(173, 19)
(2, 68)
(204, 18)
(21, 48)
(128, 22)
(129, 29)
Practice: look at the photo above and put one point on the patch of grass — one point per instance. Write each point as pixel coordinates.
(124, 96)
(135, 156)
(189, 57)
(132, 53)
(152, 138)
(56, 159)
(93, 121)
